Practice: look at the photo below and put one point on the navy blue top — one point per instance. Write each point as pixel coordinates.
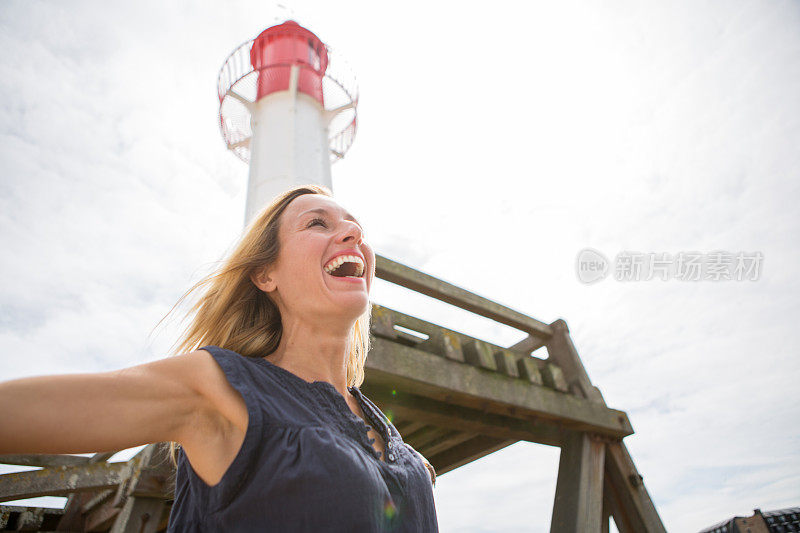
(306, 463)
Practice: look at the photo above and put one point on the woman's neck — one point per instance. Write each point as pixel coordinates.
(314, 354)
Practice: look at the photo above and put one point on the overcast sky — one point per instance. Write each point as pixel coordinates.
(495, 142)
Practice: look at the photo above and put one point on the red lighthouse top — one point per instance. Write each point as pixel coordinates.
(280, 47)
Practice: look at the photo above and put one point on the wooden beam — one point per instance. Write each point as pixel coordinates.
(440, 341)
(409, 370)
(578, 502)
(417, 281)
(43, 460)
(407, 426)
(423, 437)
(80, 503)
(444, 442)
(432, 412)
(527, 345)
(466, 452)
(60, 481)
(149, 481)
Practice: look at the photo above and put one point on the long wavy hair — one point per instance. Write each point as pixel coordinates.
(233, 313)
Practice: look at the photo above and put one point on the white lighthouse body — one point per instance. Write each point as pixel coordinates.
(289, 147)
(282, 110)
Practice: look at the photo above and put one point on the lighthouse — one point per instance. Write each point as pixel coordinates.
(288, 108)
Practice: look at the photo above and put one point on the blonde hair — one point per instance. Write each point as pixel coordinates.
(233, 313)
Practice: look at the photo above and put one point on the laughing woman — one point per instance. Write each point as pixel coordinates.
(270, 429)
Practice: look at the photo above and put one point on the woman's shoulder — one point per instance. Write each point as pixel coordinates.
(263, 387)
(217, 385)
(242, 372)
(203, 377)
(220, 423)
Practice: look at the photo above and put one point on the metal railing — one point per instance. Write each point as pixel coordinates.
(236, 89)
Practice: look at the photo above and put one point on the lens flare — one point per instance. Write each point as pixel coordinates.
(389, 510)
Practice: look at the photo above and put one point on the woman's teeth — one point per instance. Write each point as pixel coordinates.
(335, 263)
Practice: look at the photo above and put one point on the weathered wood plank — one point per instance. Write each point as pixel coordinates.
(440, 341)
(405, 427)
(417, 281)
(466, 452)
(465, 419)
(426, 435)
(527, 345)
(60, 481)
(43, 460)
(407, 369)
(72, 519)
(444, 442)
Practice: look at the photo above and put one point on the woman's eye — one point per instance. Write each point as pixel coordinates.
(315, 221)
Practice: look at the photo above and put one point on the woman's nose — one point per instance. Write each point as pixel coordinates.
(351, 233)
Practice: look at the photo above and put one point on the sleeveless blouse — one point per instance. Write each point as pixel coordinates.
(306, 463)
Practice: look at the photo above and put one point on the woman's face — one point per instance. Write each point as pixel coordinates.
(315, 229)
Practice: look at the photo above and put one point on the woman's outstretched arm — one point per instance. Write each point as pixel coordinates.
(172, 399)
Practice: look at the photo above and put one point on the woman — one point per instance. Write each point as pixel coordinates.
(272, 431)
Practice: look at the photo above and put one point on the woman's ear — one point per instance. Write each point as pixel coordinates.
(261, 279)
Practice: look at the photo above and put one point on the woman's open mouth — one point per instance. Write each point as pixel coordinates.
(349, 267)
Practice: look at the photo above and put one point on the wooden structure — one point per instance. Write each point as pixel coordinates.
(453, 397)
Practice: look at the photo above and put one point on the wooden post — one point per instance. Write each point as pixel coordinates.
(628, 501)
(145, 492)
(578, 505)
(139, 515)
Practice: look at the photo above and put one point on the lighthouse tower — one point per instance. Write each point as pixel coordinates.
(288, 108)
